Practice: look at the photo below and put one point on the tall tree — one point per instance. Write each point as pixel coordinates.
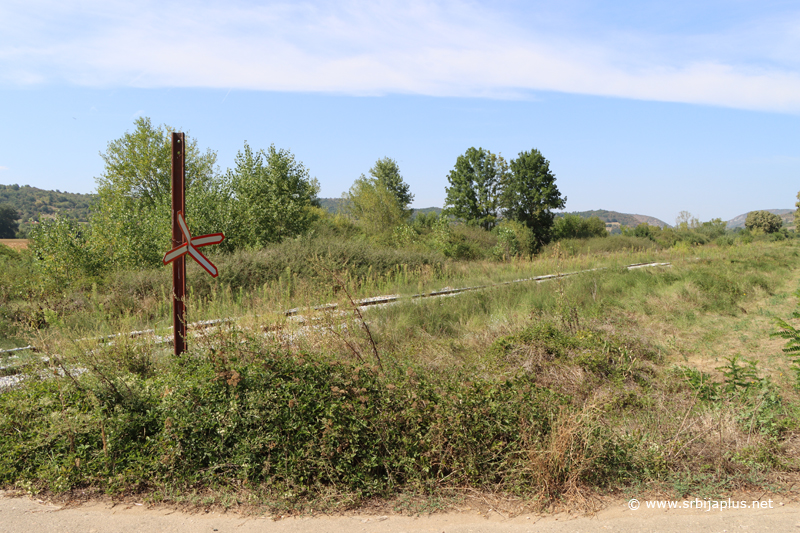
(374, 206)
(387, 172)
(797, 213)
(131, 219)
(8, 222)
(474, 186)
(273, 193)
(572, 226)
(530, 194)
(686, 221)
(764, 221)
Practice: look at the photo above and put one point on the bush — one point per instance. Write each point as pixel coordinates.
(64, 251)
(692, 238)
(299, 425)
(374, 206)
(8, 252)
(713, 229)
(645, 231)
(610, 243)
(303, 257)
(21, 293)
(575, 227)
(513, 239)
(763, 221)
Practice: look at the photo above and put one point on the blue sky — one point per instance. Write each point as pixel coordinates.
(644, 107)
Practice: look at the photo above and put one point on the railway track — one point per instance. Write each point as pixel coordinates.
(8, 376)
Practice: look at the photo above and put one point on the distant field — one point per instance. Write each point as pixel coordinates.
(17, 244)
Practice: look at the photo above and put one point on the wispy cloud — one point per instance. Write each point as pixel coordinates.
(3, 168)
(446, 48)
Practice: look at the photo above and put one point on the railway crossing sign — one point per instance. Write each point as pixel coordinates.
(183, 243)
(191, 246)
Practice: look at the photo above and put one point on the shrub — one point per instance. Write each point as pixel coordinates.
(763, 221)
(611, 243)
(64, 252)
(575, 227)
(513, 239)
(792, 336)
(297, 425)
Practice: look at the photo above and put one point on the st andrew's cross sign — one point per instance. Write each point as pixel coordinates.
(191, 247)
(183, 243)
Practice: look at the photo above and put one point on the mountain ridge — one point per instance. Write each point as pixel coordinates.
(34, 204)
(787, 215)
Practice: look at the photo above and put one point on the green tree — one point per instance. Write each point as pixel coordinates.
(797, 213)
(273, 195)
(716, 227)
(64, 251)
(530, 194)
(8, 222)
(645, 231)
(685, 221)
(474, 189)
(387, 173)
(513, 239)
(572, 226)
(374, 206)
(131, 223)
(763, 221)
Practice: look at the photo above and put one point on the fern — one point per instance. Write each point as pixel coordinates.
(792, 336)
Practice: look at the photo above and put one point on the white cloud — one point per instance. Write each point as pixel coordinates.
(448, 48)
(3, 168)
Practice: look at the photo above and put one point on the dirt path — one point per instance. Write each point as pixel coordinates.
(23, 514)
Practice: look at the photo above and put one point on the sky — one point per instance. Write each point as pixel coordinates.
(648, 107)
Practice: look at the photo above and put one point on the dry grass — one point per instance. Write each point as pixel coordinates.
(626, 400)
(16, 244)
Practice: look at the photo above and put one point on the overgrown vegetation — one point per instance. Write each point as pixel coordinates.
(610, 378)
(542, 393)
(763, 221)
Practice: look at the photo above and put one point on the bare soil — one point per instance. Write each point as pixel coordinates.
(23, 514)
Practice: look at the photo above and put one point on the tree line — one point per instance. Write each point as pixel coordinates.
(269, 196)
(21, 207)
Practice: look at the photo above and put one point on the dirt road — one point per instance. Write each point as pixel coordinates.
(23, 514)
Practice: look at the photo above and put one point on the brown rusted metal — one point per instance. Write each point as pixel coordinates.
(179, 264)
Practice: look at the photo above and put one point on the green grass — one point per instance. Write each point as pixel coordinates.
(599, 381)
(299, 273)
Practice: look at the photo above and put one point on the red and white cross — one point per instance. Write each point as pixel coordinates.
(192, 244)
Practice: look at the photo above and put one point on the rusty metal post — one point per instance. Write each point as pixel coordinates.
(179, 265)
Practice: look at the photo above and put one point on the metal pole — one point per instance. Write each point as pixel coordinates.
(179, 265)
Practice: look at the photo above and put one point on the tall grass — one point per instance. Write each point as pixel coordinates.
(294, 274)
(540, 390)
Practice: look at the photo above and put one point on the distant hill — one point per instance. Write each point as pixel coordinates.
(35, 204)
(611, 218)
(786, 214)
(426, 210)
(622, 219)
(336, 205)
(332, 205)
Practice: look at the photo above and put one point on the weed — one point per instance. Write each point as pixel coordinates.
(534, 389)
(792, 336)
(739, 378)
